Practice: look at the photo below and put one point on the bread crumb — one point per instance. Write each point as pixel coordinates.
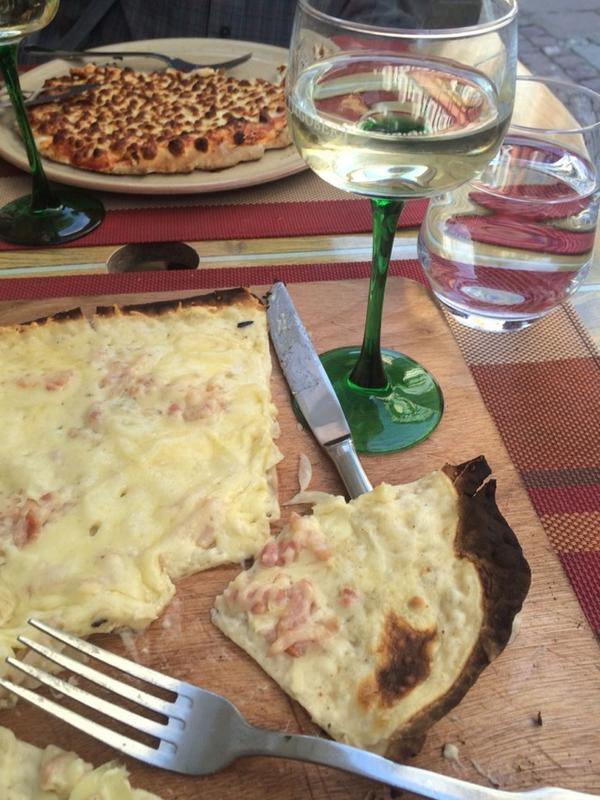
(304, 472)
(516, 626)
(450, 752)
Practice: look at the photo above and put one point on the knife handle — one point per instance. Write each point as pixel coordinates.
(344, 457)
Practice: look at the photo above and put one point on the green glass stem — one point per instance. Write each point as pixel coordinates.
(368, 371)
(42, 197)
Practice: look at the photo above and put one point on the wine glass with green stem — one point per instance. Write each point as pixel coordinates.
(47, 215)
(391, 100)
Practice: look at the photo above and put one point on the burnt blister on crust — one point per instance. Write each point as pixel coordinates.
(485, 538)
(404, 661)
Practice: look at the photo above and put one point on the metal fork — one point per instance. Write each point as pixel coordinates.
(204, 732)
(176, 63)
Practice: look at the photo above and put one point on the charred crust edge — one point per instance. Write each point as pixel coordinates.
(224, 297)
(484, 537)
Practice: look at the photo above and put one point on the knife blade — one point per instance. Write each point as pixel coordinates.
(38, 99)
(312, 389)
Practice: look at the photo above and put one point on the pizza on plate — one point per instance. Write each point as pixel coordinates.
(378, 614)
(138, 448)
(135, 123)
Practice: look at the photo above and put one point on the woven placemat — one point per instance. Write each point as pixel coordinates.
(300, 205)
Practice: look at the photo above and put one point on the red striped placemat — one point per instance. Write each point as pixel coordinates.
(542, 389)
(180, 280)
(540, 385)
(300, 205)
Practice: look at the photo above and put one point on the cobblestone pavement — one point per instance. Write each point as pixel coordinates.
(561, 38)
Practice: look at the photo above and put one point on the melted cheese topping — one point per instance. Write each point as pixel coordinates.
(168, 121)
(29, 773)
(137, 449)
(362, 612)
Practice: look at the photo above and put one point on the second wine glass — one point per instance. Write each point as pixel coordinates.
(395, 113)
(47, 215)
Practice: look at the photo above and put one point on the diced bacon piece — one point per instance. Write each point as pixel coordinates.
(140, 385)
(306, 534)
(297, 649)
(295, 641)
(57, 380)
(270, 554)
(271, 635)
(331, 624)
(203, 402)
(318, 544)
(26, 382)
(285, 550)
(23, 519)
(93, 417)
(348, 595)
(297, 627)
(299, 606)
(288, 551)
(278, 594)
(194, 401)
(123, 378)
(117, 374)
(260, 597)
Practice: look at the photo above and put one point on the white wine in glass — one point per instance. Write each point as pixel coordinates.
(47, 215)
(394, 112)
(410, 144)
(18, 18)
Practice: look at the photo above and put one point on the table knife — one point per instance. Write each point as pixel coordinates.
(312, 389)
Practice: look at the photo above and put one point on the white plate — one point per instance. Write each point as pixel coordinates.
(273, 165)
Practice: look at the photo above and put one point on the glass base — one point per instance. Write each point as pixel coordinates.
(75, 215)
(488, 322)
(385, 420)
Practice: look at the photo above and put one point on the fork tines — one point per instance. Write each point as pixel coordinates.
(166, 733)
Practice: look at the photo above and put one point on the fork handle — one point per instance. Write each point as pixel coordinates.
(370, 765)
(37, 50)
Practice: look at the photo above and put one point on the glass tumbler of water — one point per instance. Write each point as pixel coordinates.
(511, 245)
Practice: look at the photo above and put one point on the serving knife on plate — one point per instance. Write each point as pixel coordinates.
(312, 389)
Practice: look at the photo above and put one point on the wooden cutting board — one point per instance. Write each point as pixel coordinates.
(532, 719)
